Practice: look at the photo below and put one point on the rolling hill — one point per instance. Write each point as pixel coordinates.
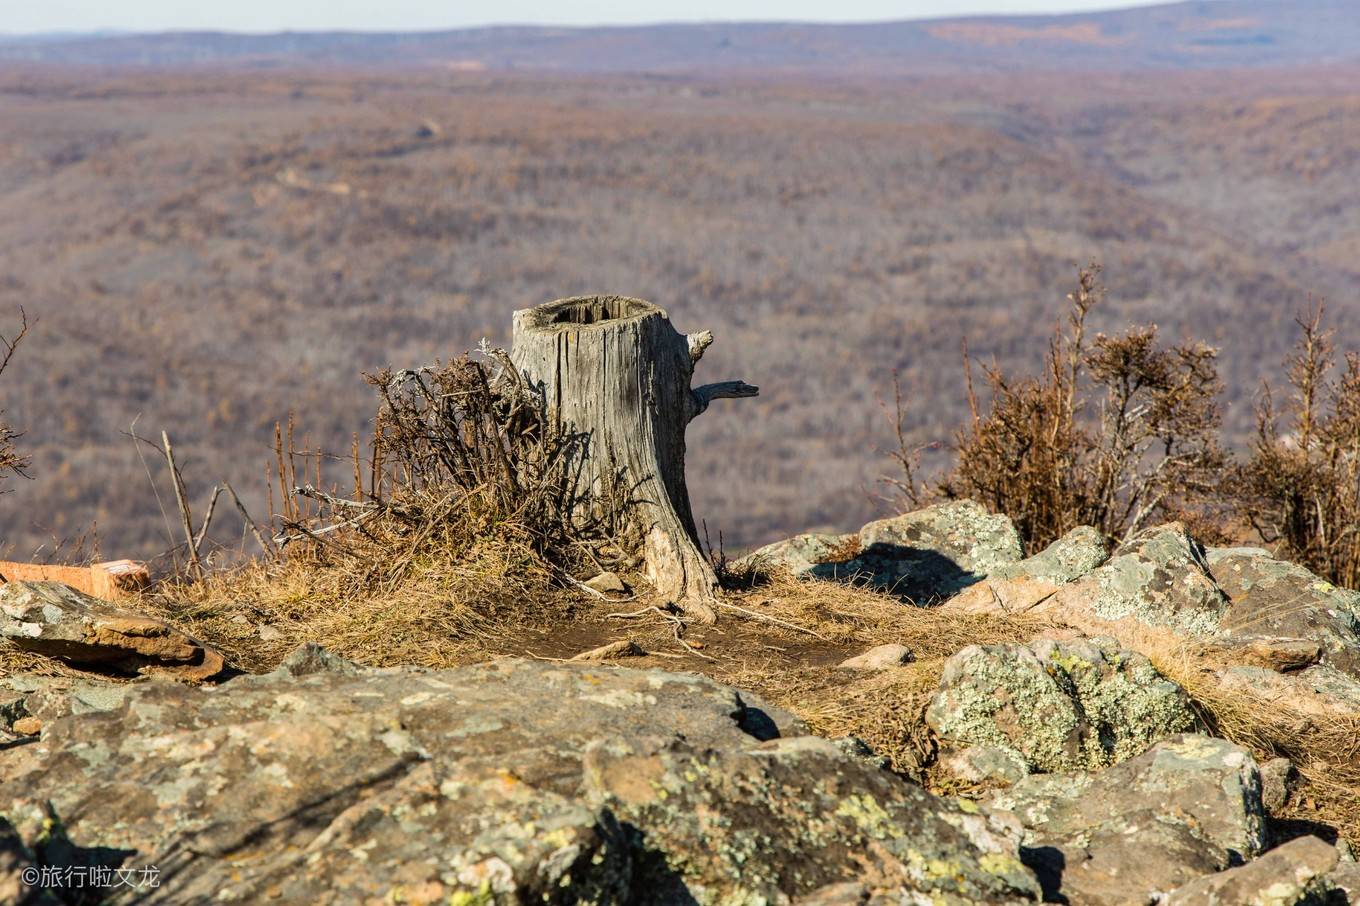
(1203, 34)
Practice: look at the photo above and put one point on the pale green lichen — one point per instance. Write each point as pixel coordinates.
(1058, 706)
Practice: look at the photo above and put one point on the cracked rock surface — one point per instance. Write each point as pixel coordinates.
(509, 782)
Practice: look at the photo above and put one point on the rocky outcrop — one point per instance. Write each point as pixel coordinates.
(1282, 606)
(924, 557)
(1160, 578)
(1017, 587)
(59, 621)
(1057, 705)
(1319, 691)
(29, 702)
(1188, 807)
(510, 782)
(1294, 874)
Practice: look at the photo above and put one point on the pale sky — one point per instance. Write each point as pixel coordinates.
(25, 16)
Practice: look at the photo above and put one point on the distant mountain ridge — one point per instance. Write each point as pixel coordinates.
(1205, 34)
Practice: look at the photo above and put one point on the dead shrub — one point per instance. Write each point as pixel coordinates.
(459, 527)
(11, 460)
(1300, 488)
(1113, 433)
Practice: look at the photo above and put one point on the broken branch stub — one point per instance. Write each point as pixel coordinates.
(613, 371)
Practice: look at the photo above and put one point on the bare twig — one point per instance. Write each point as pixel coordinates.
(756, 615)
(185, 515)
(250, 523)
(207, 517)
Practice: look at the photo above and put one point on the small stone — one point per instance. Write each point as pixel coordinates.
(880, 657)
(268, 633)
(27, 726)
(985, 764)
(1277, 782)
(859, 749)
(607, 582)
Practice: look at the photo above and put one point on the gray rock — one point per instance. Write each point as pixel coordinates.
(1057, 705)
(931, 554)
(1346, 879)
(880, 657)
(1189, 806)
(1272, 599)
(1290, 875)
(1277, 782)
(310, 658)
(924, 556)
(984, 764)
(510, 782)
(801, 553)
(1160, 577)
(1017, 587)
(1321, 690)
(50, 697)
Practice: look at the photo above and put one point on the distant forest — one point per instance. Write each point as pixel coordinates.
(205, 251)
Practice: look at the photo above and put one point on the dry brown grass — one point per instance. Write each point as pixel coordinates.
(448, 604)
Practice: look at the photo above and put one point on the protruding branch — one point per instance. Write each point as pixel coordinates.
(720, 391)
(698, 342)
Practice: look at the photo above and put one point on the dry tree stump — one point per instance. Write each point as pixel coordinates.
(613, 371)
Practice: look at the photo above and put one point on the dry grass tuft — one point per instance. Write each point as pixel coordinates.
(448, 603)
(464, 533)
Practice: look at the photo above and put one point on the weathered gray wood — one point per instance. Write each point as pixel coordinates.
(614, 370)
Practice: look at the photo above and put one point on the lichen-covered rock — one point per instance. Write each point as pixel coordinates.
(934, 553)
(801, 553)
(1278, 777)
(1160, 577)
(924, 556)
(1017, 587)
(1274, 600)
(1189, 806)
(710, 822)
(46, 698)
(1057, 705)
(1346, 879)
(1294, 874)
(510, 782)
(56, 620)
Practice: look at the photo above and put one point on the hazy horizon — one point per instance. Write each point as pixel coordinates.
(260, 17)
